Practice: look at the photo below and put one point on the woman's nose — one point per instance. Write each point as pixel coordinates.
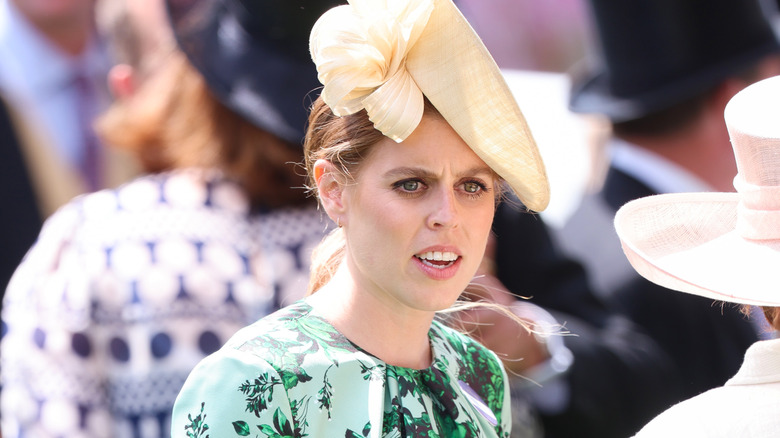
(444, 212)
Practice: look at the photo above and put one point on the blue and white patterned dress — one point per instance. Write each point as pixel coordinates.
(126, 290)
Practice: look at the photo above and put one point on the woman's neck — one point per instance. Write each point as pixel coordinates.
(396, 335)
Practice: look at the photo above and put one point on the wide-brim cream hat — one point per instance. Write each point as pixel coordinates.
(385, 55)
(724, 246)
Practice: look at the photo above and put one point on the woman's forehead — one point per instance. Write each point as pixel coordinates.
(434, 144)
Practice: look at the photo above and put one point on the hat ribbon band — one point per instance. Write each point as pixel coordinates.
(758, 213)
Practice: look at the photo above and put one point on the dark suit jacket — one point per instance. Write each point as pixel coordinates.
(20, 218)
(620, 378)
(704, 340)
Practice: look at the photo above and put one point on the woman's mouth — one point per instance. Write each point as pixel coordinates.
(437, 259)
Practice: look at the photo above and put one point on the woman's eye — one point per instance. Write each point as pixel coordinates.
(471, 187)
(410, 186)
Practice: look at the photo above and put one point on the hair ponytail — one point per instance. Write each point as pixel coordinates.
(325, 260)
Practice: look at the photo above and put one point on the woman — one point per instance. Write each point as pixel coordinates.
(408, 156)
(127, 289)
(725, 247)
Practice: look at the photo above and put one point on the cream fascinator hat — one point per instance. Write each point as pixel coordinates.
(385, 55)
(724, 246)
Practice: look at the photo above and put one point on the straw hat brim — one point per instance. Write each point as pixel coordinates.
(688, 242)
(455, 71)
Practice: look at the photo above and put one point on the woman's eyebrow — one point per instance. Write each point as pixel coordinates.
(401, 172)
(405, 172)
(478, 170)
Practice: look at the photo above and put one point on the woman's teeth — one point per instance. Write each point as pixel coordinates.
(437, 259)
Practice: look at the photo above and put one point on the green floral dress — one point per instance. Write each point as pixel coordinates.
(292, 374)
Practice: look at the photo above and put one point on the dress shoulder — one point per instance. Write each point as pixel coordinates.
(281, 375)
(232, 393)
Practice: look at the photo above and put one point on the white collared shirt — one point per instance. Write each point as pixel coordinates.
(36, 78)
(653, 170)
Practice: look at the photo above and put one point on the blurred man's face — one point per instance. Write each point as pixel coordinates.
(47, 13)
(150, 16)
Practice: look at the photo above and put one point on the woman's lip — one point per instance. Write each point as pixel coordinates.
(440, 248)
(437, 272)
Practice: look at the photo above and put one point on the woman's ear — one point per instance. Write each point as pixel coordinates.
(330, 189)
(121, 81)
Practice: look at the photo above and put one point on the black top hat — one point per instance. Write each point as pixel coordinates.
(659, 52)
(254, 55)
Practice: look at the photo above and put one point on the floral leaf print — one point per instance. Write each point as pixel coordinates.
(319, 331)
(372, 373)
(325, 393)
(241, 427)
(436, 335)
(367, 429)
(198, 424)
(291, 378)
(281, 427)
(443, 398)
(407, 381)
(450, 428)
(352, 434)
(479, 369)
(288, 353)
(391, 420)
(419, 426)
(456, 347)
(291, 361)
(299, 409)
(486, 378)
(259, 392)
(282, 424)
(399, 421)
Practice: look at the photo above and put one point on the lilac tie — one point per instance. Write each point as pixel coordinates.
(90, 165)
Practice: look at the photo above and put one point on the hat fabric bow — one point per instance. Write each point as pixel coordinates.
(360, 52)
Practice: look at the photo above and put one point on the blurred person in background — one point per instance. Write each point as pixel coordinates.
(723, 247)
(588, 371)
(548, 36)
(127, 289)
(667, 72)
(609, 377)
(53, 67)
(20, 224)
(617, 376)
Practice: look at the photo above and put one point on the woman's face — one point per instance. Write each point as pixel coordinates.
(418, 217)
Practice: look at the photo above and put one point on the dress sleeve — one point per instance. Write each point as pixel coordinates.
(49, 375)
(232, 394)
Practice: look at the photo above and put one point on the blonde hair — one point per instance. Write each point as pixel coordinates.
(345, 142)
(772, 315)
